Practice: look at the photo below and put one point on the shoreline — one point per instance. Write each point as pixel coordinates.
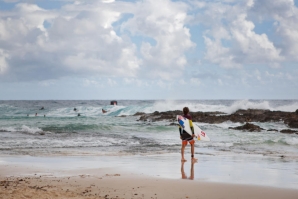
(241, 169)
(117, 185)
(142, 177)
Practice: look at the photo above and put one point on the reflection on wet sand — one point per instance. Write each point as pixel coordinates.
(192, 171)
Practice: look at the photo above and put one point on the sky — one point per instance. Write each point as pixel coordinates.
(148, 49)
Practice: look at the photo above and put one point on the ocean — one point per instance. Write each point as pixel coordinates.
(58, 130)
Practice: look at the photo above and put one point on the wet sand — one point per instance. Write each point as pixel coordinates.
(116, 185)
(137, 177)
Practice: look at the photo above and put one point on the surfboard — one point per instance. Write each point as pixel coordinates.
(184, 123)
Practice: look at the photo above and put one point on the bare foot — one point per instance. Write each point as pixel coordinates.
(183, 160)
(194, 160)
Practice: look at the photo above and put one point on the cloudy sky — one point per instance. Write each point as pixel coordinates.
(148, 49)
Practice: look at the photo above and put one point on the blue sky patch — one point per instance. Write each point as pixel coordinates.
(6, 6)
(46, 24)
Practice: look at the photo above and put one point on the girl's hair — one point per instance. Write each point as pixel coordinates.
(185, 110)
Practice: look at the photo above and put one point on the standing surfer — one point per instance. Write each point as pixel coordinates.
(186, 138)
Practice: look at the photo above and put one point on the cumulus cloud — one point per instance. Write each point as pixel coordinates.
(230, 39)
(81, 39)
(78, 39)
(285, 16)
(167, 28)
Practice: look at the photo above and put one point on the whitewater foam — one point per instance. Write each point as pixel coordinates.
(32, 130)
(292, 141)
(246, 104)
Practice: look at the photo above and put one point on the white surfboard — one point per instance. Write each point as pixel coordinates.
(184, 123)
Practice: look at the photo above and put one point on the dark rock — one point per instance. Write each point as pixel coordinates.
(296, 112)
(4, 130)
(273, 130)
(242, 116)
(138, 113)
(248, 127)
(293, 124)
(288, 131)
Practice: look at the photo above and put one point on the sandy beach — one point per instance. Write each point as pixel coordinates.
(121, 177)
(117, 185)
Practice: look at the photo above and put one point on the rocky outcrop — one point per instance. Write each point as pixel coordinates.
(248, 127)
(293, 124)
(288, 131)
(138, 113)
(273, 130)
(158, 116)
(242, 116)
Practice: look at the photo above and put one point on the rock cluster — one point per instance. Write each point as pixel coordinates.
(248, 127)
(242, 116)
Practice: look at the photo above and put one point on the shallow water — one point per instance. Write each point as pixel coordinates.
(241, 169)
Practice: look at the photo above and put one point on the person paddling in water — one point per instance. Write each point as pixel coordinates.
(186, 138)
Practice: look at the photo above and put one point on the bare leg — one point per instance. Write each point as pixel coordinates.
(182, 153)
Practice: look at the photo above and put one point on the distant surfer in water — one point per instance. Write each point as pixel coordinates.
(186, 138)
(103, 111)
